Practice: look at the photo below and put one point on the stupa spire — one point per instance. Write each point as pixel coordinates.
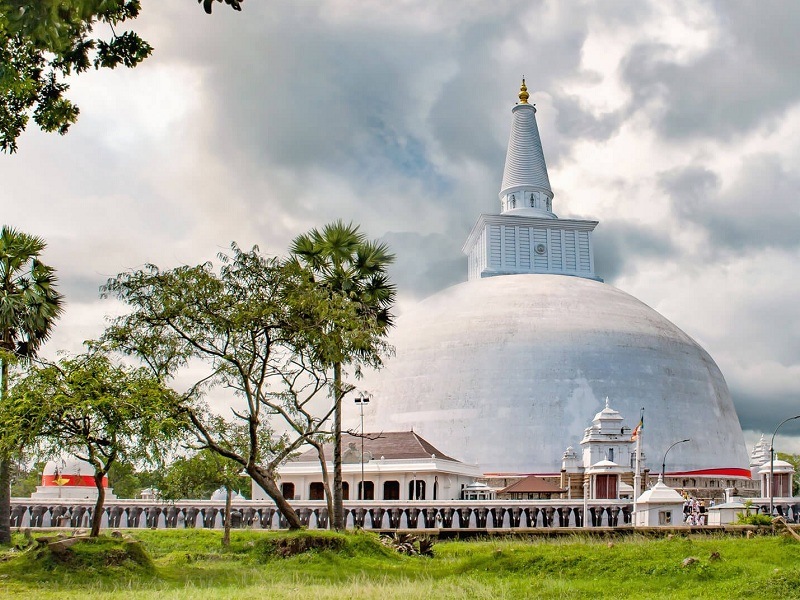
(526, 186)
(523, 93)
(527, 237)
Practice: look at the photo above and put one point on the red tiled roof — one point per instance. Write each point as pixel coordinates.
(387, 444)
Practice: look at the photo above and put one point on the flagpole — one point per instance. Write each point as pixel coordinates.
(637, 476)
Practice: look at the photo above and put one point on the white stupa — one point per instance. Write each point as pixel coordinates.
(504, 368)
(69, 478)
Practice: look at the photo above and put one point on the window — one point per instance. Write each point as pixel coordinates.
(391, 490)
(316, 491)
(345, 491)
(532, 204)
(416, 489)
(368, 492)
(665, 517)
(287, 489)
(513, 201)
(610, 454)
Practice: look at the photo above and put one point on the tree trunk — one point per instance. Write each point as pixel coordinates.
(5, 469)
(326, 482)
(338, 500)
(226, 534)
(267, 483)
(97, 515)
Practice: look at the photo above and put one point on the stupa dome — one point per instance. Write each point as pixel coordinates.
(506, 371)
(69, 471)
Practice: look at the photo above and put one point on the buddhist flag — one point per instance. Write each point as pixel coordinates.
(637, 430)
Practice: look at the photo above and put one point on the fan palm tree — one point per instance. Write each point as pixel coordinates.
(29, 306)
(342, 259)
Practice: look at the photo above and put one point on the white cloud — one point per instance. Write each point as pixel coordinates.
(256, 126)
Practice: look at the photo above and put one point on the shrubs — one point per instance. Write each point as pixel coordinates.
(755, 519)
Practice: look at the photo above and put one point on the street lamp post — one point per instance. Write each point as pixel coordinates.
(664, 461)
(361, 402)
(772, 464)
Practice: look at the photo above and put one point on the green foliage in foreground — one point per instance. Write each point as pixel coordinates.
(192, 564)
(754, 519)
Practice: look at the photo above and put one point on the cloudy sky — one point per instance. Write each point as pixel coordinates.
(677, 125)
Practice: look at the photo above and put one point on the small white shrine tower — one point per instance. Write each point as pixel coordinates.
(606, 461)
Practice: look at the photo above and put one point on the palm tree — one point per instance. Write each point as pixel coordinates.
(29, 306)
(342, 259)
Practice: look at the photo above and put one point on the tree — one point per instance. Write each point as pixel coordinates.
(234, 4)
(29, 306)
(344, 263)
(256, 328)
(91, 408)
(128, 479)
(199, 476)
(794, 460)
(25, 481)
(44, 41)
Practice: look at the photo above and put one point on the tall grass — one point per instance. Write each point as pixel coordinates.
(193, 564)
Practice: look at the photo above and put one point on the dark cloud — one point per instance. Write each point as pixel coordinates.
(425, 264)
(576, 123)
(620, 245)
(746, 78)
(763, 413)
(757, 210)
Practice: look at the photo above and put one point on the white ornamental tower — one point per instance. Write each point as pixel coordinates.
(527, 237)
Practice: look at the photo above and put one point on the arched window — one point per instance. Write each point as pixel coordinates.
(345, 491)
(416, 489)
(391, 490)
(287, 489)
(316, 491)
(368, 492)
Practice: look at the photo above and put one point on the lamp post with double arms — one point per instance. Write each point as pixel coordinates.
(772, 464)
(361, 402)
(664, 461)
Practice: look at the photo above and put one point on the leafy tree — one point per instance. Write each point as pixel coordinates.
(44, 41)
(794, 460)
(29, 307)
(91, 408)
(199, 476)
(234, 4)
(128, 482)
(256, 328)
(345, 263)
(25, 481)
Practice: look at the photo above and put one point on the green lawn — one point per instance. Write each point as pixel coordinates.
(192, 564)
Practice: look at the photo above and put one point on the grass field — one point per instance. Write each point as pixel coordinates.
(177, 564)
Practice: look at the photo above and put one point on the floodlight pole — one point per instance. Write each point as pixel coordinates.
(772, 464)
(664, 461)
(361, 402)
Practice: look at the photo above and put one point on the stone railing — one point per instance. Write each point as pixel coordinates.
(376, 515)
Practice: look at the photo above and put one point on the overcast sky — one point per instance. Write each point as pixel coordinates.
(675, 124)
